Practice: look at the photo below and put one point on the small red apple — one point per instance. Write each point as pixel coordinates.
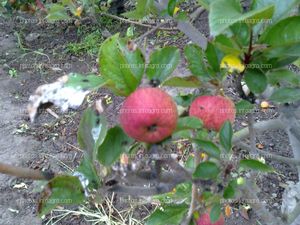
(204, 219)
(148, 115)
(213, 111)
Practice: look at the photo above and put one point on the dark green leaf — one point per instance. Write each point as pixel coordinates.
(212, 57)
(229, 191)
(115, 143)
(87, 168)
(185, 82)
(241, 32)
(285, 76)
(224, 13)
(285, 33)
(207, 146)
(243, 107)
(256, 81)
(215, 213)
(170, 215)
(91, 131)
(188, 123)
(226, 133)
(255, 165)
(61, 190)
(162, 63)
(227, 46)
(88, 82)
(286, 95)
(121, 66)
(195, 58)
(206, 171)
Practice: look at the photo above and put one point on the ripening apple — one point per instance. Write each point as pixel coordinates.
(148, 115)
(213, 111)
(204, 219)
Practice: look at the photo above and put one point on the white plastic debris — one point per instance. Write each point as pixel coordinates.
(58, 94)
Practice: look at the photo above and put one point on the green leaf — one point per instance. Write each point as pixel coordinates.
(88, 82)
(285, 33)
(143, 8)
(184, 100)
(182, 134)
(61, 190)
(91, 131)
(212, 57)
(215, 213)
(227, 46)
(224, 13)
(184, 82)
(205, 3)
(115, 143)
(171, 214)
(226, 133)
(206, 171)
(210, 148)
(120, 65)
(185, 123)
(256, 81)
(243, 107)
(171, 7)
(195, 59)
(282, 8)
(255, 165)
(87, 168)
(241, 33)
(229, 192)
(57, 12)
(162, 63)
(190, 163)
(283, 76)
(286, 95)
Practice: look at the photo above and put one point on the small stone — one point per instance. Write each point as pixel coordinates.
(271, 145)
(5, 66)
(32, 37)
(244, 124)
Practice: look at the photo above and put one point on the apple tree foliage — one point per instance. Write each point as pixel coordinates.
(253, 45)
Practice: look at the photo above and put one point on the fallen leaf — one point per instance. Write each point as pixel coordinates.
(228, 211)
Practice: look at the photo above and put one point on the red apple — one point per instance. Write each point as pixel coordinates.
(213, 111)
(204, 219)
(148, 115)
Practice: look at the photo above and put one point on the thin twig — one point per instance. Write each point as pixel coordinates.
(259, 127)
(25, 172)
(136, 22)
(152, 30)
(275, 157)
(193, 204)
(252, 135)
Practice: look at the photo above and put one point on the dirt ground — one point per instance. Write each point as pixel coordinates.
(36, 51)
